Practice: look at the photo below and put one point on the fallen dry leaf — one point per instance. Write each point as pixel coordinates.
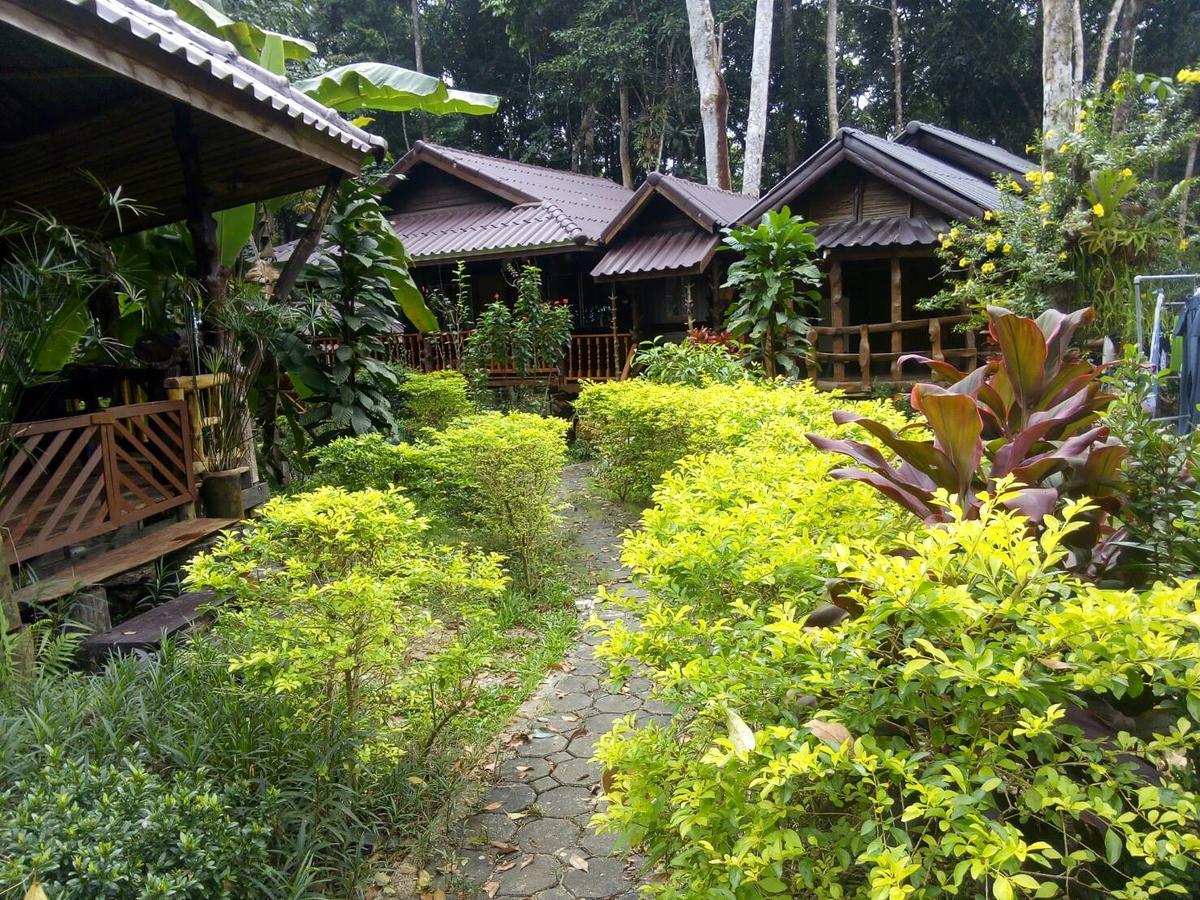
(528, 860)
(491, 887)
(504, 846)
(832, 733)
(578, 862)
(504, 867)
(492, 807)
(606, 780)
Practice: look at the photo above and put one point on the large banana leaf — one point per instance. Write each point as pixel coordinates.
(372, 85)
(249, 39)
(59, 341)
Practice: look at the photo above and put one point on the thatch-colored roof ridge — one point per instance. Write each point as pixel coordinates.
(163, 28)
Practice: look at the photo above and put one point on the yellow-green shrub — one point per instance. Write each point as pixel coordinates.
(640, 429)
(365, 461)
(981, 725)
(432, 399)
(499, 474)
(749, 522)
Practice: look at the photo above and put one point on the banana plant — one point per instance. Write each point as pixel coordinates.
(1030, 413)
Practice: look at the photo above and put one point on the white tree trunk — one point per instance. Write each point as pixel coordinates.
(1078, 57)
(897, 66)
(1106, 39)
(831, 58)
(760, 82)
(623, 146)
(714, 101)
(1058, 95)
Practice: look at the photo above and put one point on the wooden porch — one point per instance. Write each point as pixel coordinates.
(589, 357)
(75, 479)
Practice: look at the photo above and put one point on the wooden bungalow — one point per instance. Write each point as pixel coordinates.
(495, 214)
(661, 253)
(124, 93)
(880, 205)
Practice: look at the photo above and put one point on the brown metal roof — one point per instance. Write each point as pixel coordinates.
(956, 192)
(92, 87)
(483, 229)
(708, 207)
(680, 251)
(566, 208)
(980, 157)
(893, 232)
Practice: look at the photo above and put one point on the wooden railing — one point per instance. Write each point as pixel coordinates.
(592, 357)
(883, 342)
(67, 480)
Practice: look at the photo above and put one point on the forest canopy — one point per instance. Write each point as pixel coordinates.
(561, 69)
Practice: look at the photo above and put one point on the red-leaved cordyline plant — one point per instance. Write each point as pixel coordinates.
(1030, 412)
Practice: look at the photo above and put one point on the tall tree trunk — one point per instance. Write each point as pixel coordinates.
(897, 66)
(760, 81)
(418, 50)
(626, 159)
(1126, 45)
(1188, 171)
(831, 58)
(791, 141)
(714, 99)
(1058, 96)
(583, 148)
(1078, 58)
(1110, 28)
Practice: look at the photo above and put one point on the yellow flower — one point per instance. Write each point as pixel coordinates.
(1127, 173)
(1045, 207)
(1049, 176)
(941, 236)
(1014, 186)
(1188, 76)
(1065, 148)
(1062, 257)
(987, 215)
(1007, 248)
(1035, 175)
(1183, 244)
(954, 233)
(1098, 210)
(988, 267)
(963, 262)
(946, 245)
(990, 245)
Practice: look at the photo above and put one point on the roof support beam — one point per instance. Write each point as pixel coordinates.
(200, 222)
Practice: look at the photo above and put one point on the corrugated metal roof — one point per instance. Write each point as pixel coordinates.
(587, 202)
(724, 207)
(996, 160)
(678, 250)
(892, 232)
(958, 180)
(483, 228)
(164, 29)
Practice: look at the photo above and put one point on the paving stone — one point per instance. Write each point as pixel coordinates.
(584, 746)
(602, 723)
(657, 707)
(511, 797)
(574, 702)
(548, 835)
(590, 667)
(577, 772)
(523, 769)
(562, 802)
(574, 682)
(542, 747)
(544, 784)
(612, 703)
(604, 878)
(563, 722)
(539, 875)
(477, 867)
(555, 894)
(491, 827)
(599, 844)
(560, 757)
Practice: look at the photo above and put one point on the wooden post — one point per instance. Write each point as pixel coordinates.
(200, 222)
(19, 634)
(935, 339)
(837, 318)
(864, 356)
(972, 357)
(897, 318)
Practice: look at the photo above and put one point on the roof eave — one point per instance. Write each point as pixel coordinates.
(422, 152)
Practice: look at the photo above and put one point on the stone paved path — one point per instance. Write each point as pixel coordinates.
(529, 835)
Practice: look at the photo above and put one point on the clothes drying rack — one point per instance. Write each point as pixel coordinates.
(1175, 290)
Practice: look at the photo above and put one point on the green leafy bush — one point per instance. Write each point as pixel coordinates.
(365, 461)
(639, 429)
(746, 523)
(689, 363)
(329, 591)
(977, 724)
(143, 835)
(432, 399)
(499, 474)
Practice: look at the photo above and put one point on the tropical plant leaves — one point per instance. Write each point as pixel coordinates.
(246, 37)
(374, 85)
